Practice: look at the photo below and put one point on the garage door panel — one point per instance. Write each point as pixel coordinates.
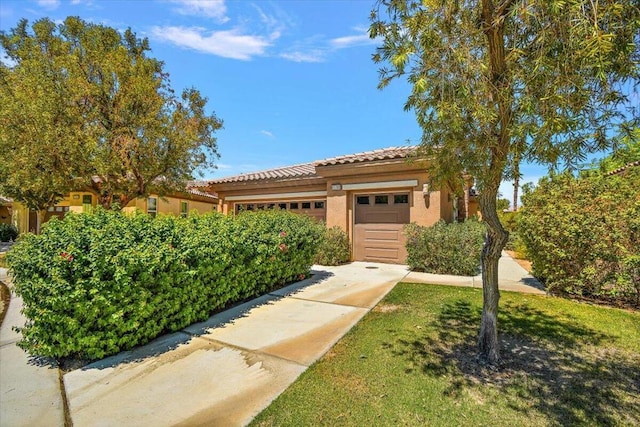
(381, 235)
(379, 219)
(380, 242)
(389, 217)
(381, 254)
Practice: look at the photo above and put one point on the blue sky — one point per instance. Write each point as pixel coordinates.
(293, 80)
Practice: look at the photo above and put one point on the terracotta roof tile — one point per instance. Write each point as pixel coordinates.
(624, 168)
(368, 156)
(295, 171)
(200, 193)
(309, 169)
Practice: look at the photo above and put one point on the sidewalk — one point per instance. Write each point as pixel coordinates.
(223, 371)
(512, 277)
(29, 388)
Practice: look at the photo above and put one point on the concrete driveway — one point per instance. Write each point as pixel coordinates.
(226, 370)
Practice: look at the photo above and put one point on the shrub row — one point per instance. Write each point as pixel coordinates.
(334, 248)
(583, 235)
(96, 284)
(445, 248)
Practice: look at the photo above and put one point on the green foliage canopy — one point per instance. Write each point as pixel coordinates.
(103, 107)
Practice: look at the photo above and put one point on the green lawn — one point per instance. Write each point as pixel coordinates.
(411, 362)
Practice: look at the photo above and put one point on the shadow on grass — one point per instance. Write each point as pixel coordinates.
(556, 367)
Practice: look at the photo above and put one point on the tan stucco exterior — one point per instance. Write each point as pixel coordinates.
(339, 184)
(73, 202)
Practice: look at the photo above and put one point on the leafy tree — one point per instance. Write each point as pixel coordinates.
(138, 136)
(499, 82)
(41, 144)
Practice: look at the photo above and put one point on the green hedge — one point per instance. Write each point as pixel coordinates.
(334, 248)
(96, 284)
(445, 248)
(583, 235)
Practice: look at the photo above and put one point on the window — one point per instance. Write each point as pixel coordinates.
(382, 200)
(293, 205)
(250, 207)
(399, 199)
(86, 203)
(271, 206)
(184, 209)
(362, 200)
(318, 205)
(152, 206)
(306, 205)
(282, 206)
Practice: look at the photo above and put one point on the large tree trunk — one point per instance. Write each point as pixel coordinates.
(495, 240)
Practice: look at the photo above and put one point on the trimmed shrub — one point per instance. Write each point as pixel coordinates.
(334, 248)
(97, 284)
(583, 235)
(8, 232)
(445, 248)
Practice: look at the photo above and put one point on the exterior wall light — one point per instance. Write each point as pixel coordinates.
(425, 190)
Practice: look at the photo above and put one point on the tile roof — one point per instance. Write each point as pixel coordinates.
(295, 171)
(368, 156)
(200, 193)
(308, 170)
(624, 168)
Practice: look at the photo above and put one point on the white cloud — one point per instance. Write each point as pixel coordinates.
(351, 41)
(267, 133)
(317, 49)
(49, 4)
(226, 43)
(315, 55)
(215, 9)
(223, 166)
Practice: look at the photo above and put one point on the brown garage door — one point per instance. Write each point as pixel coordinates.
(379, 219)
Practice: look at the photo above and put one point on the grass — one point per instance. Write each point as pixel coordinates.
(411, 361)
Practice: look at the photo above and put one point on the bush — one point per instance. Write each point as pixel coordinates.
(8, 232)
(334, 248)
(96, 284)
(583, 235)
(445, 248)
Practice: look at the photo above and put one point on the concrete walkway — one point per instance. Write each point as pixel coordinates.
(220, 372)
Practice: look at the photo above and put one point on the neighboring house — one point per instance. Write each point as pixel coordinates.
(369, 195)
(176, 204)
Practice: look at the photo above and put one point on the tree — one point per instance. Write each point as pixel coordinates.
(40, 140)
(138, 136)
(502, 204)
(490, 79)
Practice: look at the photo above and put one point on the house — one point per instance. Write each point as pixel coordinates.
(192, 199)
(370, 195)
